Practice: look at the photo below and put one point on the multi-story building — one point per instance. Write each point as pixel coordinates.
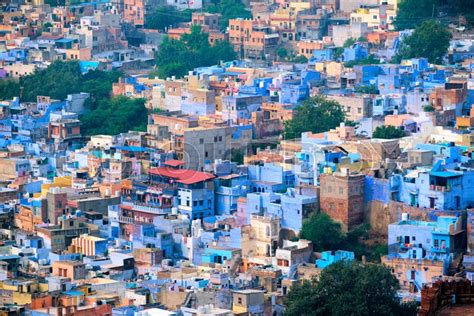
(64, 127)
(210, 20)
(59, 237)
(342, 197)
(420, 251)
(134, 11)
(194, 189)
(355, 107)
(199, 147)
(252, 39)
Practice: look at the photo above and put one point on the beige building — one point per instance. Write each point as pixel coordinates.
(406, 269)
(263, 237)
(248, 302)
(355, 107)
(75, 270)
(199, 147)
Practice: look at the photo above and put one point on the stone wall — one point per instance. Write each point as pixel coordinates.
(445, 294)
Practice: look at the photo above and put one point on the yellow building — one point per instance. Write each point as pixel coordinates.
(58, 182)
(375, 17)
(21, 292)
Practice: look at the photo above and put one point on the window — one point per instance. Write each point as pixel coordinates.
(436, 243)
(201, 141)
(239, 300)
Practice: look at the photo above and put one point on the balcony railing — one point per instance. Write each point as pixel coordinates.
(125, 220)
(146, 208)
(440, 249)
(440, 188)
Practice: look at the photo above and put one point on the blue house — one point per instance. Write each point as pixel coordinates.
(330, 257)
(219, 255)
(441, 238)
(324, 54)
(355, 52)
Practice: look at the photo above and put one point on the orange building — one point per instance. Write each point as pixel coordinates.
(252, 39)
(75, 270)
(134, 11)
(306, 48)
(211, 20)
(464, 122)
(26, 220)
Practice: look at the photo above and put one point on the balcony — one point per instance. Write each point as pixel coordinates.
(440, 249)
(440, 188)
(147, 208)
(71, 233)
(125, 220)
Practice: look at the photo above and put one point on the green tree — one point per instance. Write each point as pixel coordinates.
(47, 25)
(166, 16)
(56, 81)
(411, 13)
(282, 53)
(62, 78)
(349, 42)
(429, 40)
(346, 288)
(177, 57)
(316, 114)
(370, 89)
(228, 9)
(221, 51)
(428, 108)
(388, 132)
(300, 59)
(371, 60)
(9, 88)
(117, 115)
(323, 232)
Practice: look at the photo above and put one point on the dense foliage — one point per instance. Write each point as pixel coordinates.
(105, 115)
(299, 59)
(367, 89)
(316, 114)
(9, 88)
(411, 13)
(177, 57)
(63, 78)
(166, 16)
(323, 232)
(326, 235)
(388, 132)
(348, 289)
(116, 115)
(371, 60)
(429, 40)
(228, 9)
